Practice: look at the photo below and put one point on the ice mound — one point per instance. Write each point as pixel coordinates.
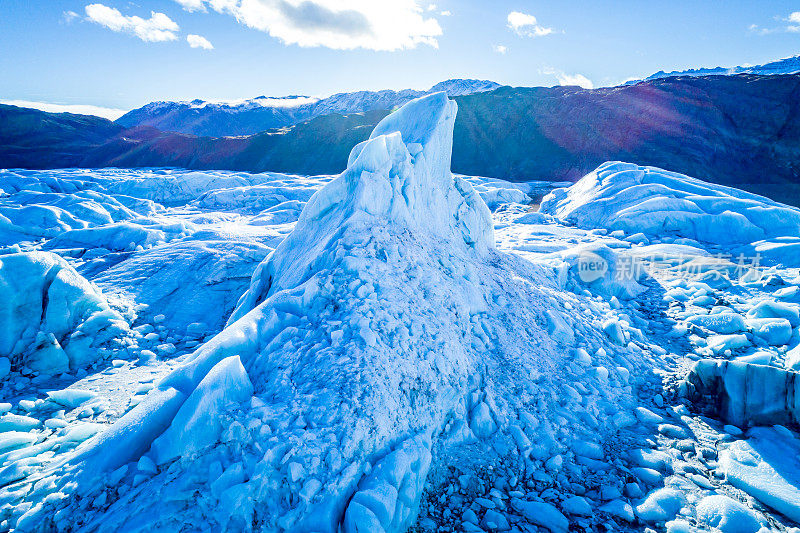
(53, 319)
(385, 332)
(257, 198)
(121, 236)
(636, 199)
(601, 269)
(215, 189)
(31, 214)
(282, 213)
(175, 188)
(498, 192)
(766, 467)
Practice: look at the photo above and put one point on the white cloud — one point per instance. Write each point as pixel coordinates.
(198, 41)
(500, 49)
(431, 7)
(445, 13)
(794, 22)
(568, 79)
(192, 5)
(575, 79)
(105, 112)
(158, 27)
(755, 28)
(339, 24)
(526, 25)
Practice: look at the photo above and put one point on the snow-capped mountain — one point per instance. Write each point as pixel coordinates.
(789, 65)
(246, 117)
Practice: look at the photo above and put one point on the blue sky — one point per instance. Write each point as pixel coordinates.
(123, 54)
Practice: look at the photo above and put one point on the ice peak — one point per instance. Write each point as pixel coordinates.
(399, 177)
(425, 126)
(420, 120)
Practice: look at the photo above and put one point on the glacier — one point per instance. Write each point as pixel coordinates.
(395, 348)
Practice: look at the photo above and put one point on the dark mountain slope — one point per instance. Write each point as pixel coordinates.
(217, 119)
(740, 130)
(318, 146)
(36, 139)
(729, 129)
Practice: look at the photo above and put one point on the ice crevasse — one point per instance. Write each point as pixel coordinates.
(384, 329)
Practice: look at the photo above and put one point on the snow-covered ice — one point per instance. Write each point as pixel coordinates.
(651, 201)
(395, 347)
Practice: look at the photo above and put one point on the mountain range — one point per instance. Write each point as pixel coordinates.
(247, 117)
(789, 65)
(741, 130)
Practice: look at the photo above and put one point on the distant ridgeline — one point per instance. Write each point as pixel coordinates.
(248, 117)
(742, 130)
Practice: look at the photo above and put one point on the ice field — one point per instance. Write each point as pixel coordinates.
(396, 348)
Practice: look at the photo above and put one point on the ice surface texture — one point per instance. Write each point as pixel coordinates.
(386, 356)
(384, 179)
(52, 318)
(384, 326)
(632, 198)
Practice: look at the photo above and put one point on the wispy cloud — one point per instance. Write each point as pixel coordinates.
(105, 112)
(443, 13)
(500, 49)
(192, 5)
(789, 24)
(68, 17)
(159, 27)
(339, 24)
(198, 41)
(526, 25)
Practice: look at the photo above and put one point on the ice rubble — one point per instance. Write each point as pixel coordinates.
(384, 332)
(53, 318)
